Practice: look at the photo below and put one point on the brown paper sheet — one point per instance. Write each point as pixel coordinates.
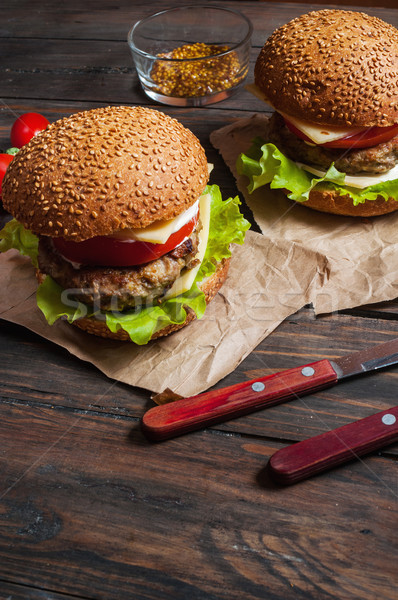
(361, 255)
(266, 284)
(301, 257)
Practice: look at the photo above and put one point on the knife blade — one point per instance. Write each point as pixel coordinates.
(208, 408)
(322, 452)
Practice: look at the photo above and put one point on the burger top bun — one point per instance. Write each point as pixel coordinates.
(100, 171)
(332, 67)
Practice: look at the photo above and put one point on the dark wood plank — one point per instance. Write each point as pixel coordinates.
(325, 337)
(109, 22)
(83, 69)
(80, 70)
(192, 518)
(384, 310)
(353, 3)
(57, 379)
(11, 591)
(88, 507)
(71, 383)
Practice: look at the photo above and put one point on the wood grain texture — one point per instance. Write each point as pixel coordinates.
(89, 509)
(14, 591)
(88, 504)
(73, 384)
(107, 21)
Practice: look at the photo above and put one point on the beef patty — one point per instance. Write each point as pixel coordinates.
(377, 159)
(118, 288)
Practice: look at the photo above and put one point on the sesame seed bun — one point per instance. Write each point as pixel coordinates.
(209, 287)
(332, 67)
(101, 171)
(325, 200)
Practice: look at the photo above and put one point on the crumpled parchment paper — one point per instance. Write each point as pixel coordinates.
(301, 257)
(266, 283)
(361, 255)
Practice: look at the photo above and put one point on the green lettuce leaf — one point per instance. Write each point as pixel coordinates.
(54, 303)
(227, 225)
(14, 235)
(264, 164)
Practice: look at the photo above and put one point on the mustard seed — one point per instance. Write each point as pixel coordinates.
(199, 77)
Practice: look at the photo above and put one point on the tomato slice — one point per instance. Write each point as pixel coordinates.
(112, 252)
(363, 139)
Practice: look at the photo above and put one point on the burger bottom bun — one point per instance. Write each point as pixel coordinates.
(327, 201)
(210, 287)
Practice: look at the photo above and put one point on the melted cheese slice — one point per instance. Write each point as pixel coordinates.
(318, 134)
(160, 231)
(358, 181)
(185, 281)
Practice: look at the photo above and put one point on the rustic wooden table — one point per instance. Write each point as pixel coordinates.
(88, 507)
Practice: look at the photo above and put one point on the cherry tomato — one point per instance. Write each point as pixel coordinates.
(108, 251)
(364, 139)
(25, 127)
(5, 160)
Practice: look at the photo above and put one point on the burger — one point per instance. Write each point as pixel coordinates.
(114, 209)
(331, 77)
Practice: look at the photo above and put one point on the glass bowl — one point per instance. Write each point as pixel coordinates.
(191, 55)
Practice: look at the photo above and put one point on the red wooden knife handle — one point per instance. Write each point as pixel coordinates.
(196, 412)
(299, 461)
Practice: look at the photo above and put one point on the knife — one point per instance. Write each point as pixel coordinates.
(322, 452)
(189, 414)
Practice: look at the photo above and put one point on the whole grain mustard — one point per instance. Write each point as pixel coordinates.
(199, 77)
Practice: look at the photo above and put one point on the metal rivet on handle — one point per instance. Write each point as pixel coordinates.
(307, 371)
(257, 386)
(388, 419)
